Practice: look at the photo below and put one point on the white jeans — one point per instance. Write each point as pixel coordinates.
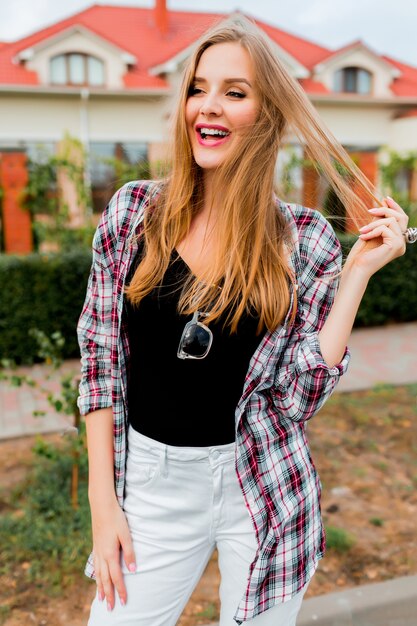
(182, 503)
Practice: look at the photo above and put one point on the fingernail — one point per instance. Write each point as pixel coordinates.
(132, 567)
(122, 602)
(389, 198)
(100, 596)
(374, 210)
(108, 606)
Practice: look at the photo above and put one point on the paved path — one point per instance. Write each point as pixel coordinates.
(386, 354)
(379, 355)
(388, 603)
(18, 404)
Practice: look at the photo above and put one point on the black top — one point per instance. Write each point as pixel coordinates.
(183, 402)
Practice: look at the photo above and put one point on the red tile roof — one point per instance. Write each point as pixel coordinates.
(131, 29)
(406, 84)
(134, 30)
(306, 52)
(313, 86)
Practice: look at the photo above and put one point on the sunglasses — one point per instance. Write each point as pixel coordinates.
(196, 339)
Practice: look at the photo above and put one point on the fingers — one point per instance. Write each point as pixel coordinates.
(106, 585)
(99, 582)
(392, 209)
(394, 205)
(111, 535)
(390, 222)
(100, 590)
(389, 213)
(393, 240)
(127, 548)
(118, 582)
(109, 578)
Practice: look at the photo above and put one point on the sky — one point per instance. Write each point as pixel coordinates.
(387, 26)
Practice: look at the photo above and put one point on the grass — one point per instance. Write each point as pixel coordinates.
(339, 539)
(43, 540)
(376, 521)
(364, 440)
(210, 612)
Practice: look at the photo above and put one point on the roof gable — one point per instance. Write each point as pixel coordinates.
(406, 83)
(66, 34)
(133, 31)
(306, 52)
(292, 64)
(343, 55)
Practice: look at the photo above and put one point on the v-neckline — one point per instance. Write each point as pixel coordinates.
(184, 262)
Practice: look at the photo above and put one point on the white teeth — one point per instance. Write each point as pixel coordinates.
(213, 131)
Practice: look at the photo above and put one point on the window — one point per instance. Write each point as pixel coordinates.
(353, 80)
(77, 69)
(110, 163)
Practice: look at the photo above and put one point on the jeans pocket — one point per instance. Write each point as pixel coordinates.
(142, 468)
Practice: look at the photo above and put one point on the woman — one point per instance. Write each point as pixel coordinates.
(213, 328)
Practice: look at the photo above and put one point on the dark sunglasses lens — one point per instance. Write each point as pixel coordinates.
(196, 341)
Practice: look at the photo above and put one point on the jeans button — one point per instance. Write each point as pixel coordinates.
(215, 454)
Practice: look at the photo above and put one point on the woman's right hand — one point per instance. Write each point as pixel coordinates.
(110, 535)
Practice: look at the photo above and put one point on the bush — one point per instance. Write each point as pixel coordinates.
(47, 291)
(338, 539)
(43, 539)
(391, 295)
(42, 291)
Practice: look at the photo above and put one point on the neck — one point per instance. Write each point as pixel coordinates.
(209, 202)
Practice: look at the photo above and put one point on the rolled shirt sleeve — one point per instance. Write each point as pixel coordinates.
(304, 381)
(94, 328)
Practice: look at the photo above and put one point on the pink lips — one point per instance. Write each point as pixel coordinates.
(212, 143)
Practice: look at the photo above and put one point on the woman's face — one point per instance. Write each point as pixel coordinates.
(223, 103)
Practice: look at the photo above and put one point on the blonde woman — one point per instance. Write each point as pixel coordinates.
(214, 326)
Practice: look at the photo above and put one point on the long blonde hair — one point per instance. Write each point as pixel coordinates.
(250, 261)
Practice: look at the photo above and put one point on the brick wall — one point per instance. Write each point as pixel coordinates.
(16, 221)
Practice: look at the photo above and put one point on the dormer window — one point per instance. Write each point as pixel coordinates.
(77, 69)
(353, 80)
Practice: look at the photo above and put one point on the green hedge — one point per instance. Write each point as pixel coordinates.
(391, 295)
(43, 291)
(47, 292)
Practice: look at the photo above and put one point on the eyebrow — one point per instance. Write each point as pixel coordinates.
(197, 79)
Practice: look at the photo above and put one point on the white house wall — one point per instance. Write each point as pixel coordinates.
(47, 118)
(403, 135)
(37, 119)
(127, 120)
(358, 126)
(26, 118)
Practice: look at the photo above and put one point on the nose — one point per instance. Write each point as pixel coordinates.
(211, 105)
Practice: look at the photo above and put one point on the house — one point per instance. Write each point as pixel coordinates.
(108, 73)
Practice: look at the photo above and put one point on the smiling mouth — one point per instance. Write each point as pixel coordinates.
(214, 133)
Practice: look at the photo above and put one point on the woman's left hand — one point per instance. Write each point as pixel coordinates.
(381, 240)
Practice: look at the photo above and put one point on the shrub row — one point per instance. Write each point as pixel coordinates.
(47, 292)
(391, 296)
(43, 291)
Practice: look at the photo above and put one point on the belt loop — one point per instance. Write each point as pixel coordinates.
(164, 462)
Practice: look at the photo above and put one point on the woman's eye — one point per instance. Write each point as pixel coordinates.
(194, 91)
(236, 94)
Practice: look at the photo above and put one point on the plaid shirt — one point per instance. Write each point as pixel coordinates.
(286, 384)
